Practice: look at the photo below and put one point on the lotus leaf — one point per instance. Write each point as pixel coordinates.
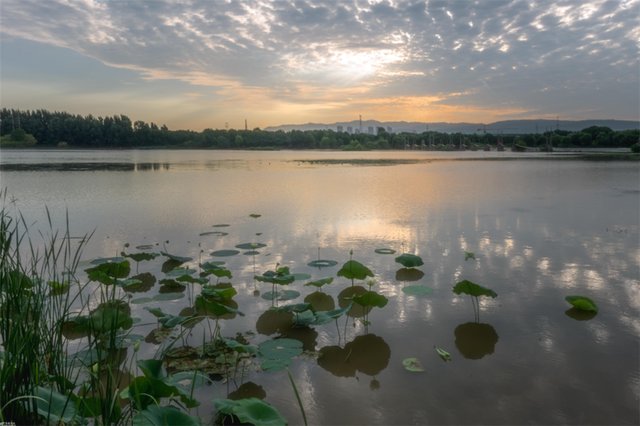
(106, 272)
(250, 411)
(473, 289)
(178, 272)
(250, 246)
(385, 251)
(582, 303)
(469, 255)
(255, 215)
(101, 260)
(409, 260)
(220, 292)
(413, 365)
(221, 225)
(110, 315)
(281, 295)
(322, 263)
(371, 298)
(446, 356)
(139, 257)
(217, 233)
(277, 353)
(320, 282)
(178, 259)
(155, 415)
(354, 270)
(54, 406)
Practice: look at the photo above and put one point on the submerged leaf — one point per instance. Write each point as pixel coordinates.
(446, 356)
(417, 290)
(413, 365)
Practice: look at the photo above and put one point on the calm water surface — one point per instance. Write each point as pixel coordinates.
(540, 229)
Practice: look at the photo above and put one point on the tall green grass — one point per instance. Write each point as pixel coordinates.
(33, 307)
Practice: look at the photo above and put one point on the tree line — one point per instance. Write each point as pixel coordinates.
(49, 129)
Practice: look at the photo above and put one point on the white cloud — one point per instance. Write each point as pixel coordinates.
(501, 51)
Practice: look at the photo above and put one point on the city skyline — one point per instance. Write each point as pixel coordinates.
(216, 64)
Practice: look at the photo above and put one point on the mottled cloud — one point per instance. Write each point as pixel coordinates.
(450, 59)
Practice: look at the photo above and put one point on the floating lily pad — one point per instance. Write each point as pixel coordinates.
(322, 263)
(250, 246)
(139, 257)
(281, 295)
(216, 233)
(279, 351)
(141, 300)
(168, 296)
(417, 290)
(385, 251)
(469, 255)
(251, 253)
(413, 365)
(582, 303)
(224, 253)
(301, 276)
(221, 225)
(255, 215)
(101, 260)
(144, 247)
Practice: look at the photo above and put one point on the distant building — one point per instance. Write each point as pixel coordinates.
(389, 129)
(370, 130)
(349, 129)
(357, 131)
(340, 129)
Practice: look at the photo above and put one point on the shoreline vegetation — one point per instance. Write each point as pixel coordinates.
(44, 129)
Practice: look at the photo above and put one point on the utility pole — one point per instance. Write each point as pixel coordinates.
(245, 125)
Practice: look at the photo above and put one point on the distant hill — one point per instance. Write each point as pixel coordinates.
(504, 127)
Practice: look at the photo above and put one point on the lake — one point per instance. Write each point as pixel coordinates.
(534, 228)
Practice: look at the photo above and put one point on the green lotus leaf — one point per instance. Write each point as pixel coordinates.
(446, 356)
(354, 270)
(280, 349)
(139, 257)
(224, 253)
(178, 259)
(217, 233)
(109, 316)
(255, 215)
(297, 308)
(220, 292)
(250, 411)
(155, 415)
(469, 255)
(371, 298)
(320, 282)
(412, 364)
(417, 290)
(106, 272)
(473, 289)
(167, 296)
(409, 260)
(250, 246)
(221, 225)
(582, 303)
(54, 406)
(282, 295)
(178, 272)
(299, 276)
(101, 260)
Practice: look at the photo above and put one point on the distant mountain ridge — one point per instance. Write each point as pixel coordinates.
(504, 127)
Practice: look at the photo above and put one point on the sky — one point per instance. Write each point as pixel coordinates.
(214, 63)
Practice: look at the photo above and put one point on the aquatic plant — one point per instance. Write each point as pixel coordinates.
(474, 290)
(582, 303)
